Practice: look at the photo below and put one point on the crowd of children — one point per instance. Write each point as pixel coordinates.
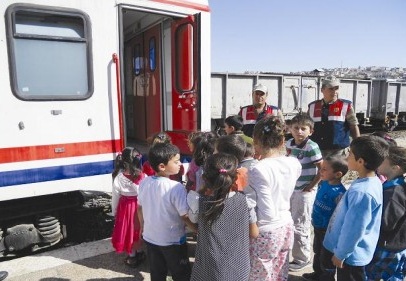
(253, 204)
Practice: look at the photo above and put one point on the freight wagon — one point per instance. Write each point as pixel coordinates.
(376, 102)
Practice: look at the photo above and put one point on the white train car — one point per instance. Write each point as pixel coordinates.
(79, 81)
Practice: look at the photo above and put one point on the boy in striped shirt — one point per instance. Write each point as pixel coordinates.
(309, 155)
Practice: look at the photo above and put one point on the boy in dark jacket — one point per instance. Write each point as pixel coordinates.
(389, 261)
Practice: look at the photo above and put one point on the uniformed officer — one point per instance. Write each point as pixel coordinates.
(334, 119)
(251, 114)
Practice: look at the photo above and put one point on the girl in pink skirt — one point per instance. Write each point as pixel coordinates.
(126, 233)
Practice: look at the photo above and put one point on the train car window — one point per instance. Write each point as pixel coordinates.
(184, 57)
(137, 60)
(152, 54)
(49, 53)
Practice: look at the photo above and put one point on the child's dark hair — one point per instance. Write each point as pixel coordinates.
(220, 174)
(195, 137)
(161, 153)
(129, 159)
(372, 149)
(204, 147)
(235, 121)
(337, 163)
(302, 118)
(249, 151)
(160, 137)
(269, 132)
(232, 144)
(397, 156)
(386, 137)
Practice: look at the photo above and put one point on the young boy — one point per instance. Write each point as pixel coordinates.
(309, 156)
(249, 157)
(389, 262)
(327, 197)
(163, 212)
(353, 230)
(233, 125)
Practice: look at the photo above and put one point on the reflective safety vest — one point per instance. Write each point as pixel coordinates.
(249, 117)
(331, 130)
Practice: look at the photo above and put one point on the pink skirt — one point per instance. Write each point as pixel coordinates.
(126, 229)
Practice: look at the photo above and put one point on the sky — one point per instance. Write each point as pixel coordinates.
(302, 35)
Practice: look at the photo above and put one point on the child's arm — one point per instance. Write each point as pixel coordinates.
(115, 196)
(141, 219)
(192, 226)
(316, 179)
(254, 230)
(337, 262)
(251, 202)
(193, 203)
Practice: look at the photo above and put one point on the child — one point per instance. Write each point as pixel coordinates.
(160, 137)
(235, 145)
(222, 251)
(328, 195)
(390, 141)
(249, 160)
(163, 214)
(233, 125)
(127, 176)
(204, 147)
(309, 155)
(389, 262)
(353, 230)
(193, 140)
(273, 180)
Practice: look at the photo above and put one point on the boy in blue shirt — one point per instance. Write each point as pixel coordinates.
(327, 197)
(353, 231)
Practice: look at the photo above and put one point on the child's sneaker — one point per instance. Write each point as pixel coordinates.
(311, 276)
(295, 266)
(136, 260)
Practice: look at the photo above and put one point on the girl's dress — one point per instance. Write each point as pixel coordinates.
(222, 251)
(126, 229)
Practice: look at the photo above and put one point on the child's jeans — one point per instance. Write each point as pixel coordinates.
(301, 206)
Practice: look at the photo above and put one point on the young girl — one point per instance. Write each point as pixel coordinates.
(204, 147)
(272, 180)
(126, 232)
(222, 251)
(193, 139)
(389, 261)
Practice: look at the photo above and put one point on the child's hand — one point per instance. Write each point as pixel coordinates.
(307, 188)
(337, 262)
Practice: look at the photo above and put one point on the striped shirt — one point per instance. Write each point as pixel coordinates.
(308, 153)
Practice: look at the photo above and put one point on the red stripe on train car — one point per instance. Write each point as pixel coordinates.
(53, 151)
(185, 4)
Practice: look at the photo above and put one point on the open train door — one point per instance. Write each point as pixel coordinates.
(186, 74)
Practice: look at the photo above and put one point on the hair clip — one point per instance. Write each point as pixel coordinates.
(223, 171)
(388, 138)
(266, 129)
(161, 136)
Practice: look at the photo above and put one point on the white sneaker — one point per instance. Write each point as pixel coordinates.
(296, 266)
